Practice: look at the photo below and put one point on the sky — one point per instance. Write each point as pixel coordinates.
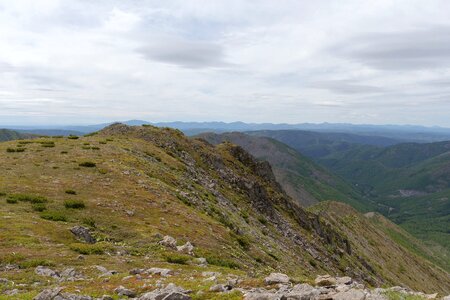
(280, 61)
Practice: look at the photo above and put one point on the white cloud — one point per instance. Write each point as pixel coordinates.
(284, 61)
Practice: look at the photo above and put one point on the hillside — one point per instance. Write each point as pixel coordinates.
(300, 177)
(9, 135)
(131, 187)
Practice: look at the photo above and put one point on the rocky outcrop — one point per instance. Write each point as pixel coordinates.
(82, 233)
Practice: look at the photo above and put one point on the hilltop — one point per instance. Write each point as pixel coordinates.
(115, 198)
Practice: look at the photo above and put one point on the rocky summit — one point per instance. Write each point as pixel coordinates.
(148, 213)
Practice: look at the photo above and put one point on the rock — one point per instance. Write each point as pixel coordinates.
(82, 233)
(344, 280)
(187, 248)
(45, 271)
(11, 292)
(352, 294)
(56, 294)
(169, 242)
(106, 297)
(261, 296)
(325, 280)
(210, 274)
(136, 271)
(122, 291)
(160, 271)
(201, 261)
(274, 278)
(70, 274)
(105, 272)
(446, 298)
(4, 281)
(217, 288)
(170, 292)
(301, 292)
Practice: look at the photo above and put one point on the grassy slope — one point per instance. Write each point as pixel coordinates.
(145, 170)
(300, 177)
(9, 135)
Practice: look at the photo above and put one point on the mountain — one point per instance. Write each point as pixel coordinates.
(300, 177)
(143, 200)
(8, 135)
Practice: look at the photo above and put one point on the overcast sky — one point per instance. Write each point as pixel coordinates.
(294, 61)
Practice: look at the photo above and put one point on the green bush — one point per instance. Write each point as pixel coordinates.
(10, 150)
(33, 263)
(177, 259)
(75, 204)
(243, 241)
(26, 198)
(54, 216)
(48, 144)
(87, 164)
(217, 261)
(262, 220)
(39, 207)
(2, 194)
(73, 137)
(89, 222)
(11, 200)
(88, 249)
(71, 192)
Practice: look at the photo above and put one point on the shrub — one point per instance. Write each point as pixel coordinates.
(38, 207)
(64, 152)
(87, 164)
(20, 149)
(217, 261)
(33, 263)
(54, 216)
(11, 200)
(89, 222)
(95, 148)
(71, 192)
(27, 198)
(73, 137)
(2, 194)
(262, 220)
(177, 259)
(243, 241)
(88, 249)
(75, 204)
(102, 142)
(48, 144)
(10, 150)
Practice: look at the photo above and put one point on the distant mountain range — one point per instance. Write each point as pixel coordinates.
(401, 133)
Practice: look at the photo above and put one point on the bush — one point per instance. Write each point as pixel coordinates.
(33, 263)
(54, 216)
(89, 222)
(73, 137)
(71, 192)
(243, 241)
(262, 220)
(177, 259)
(217, 261)
(11, 200)
(48, 144)
(10, 150)
(38, 207)
(75, 204)
(87, 164)
(2, 194)
(26, 198)
(88, 249)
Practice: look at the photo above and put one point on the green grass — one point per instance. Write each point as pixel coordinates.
(87, 164)
(40, 207)
(14, 198)
(70, 192)
(90, 249)
(54, 216)
(175, 258)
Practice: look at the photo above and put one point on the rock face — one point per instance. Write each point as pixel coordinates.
(274, 278)
(83, 234)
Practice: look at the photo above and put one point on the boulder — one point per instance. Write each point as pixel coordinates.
(352, 294)
(302, 292)
(201, 261)
(170, 292)
(45, 271)
(122, 291)
(187, 248)
(325, 280)
(344, 280)
(160, 271)
(261, 296)
(56, 294)
(274, 278)
(83, 233)
(217, 288)
(169, 242)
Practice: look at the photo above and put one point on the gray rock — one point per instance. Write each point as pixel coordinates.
(56, 294)
(83, 233)
(302, 292)
(45, 271)
(274, 278)
(351, 294)
(169, 242)
(122, 291)
(262, 296)
(201, 261)
(160, 271)
(170, 292)
(187, 248)
(217, 288)
(325, 280)
(344, 280)
(105, 272)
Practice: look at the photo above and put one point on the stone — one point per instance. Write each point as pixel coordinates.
(122, 291)
(344, 280)
(83, 233)
(169, 242)
(170, 292)
(261, 296)
(56, 294)
(187, 248)
(302, 292)
(201, 261)
(136, 271)
(160, 271)
(45, 271)
(217, 288)
(352, 294)
(274, 278)
(325, 280)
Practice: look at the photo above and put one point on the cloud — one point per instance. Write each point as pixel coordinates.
(184, 53)
(346, 87)
(406, 50)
